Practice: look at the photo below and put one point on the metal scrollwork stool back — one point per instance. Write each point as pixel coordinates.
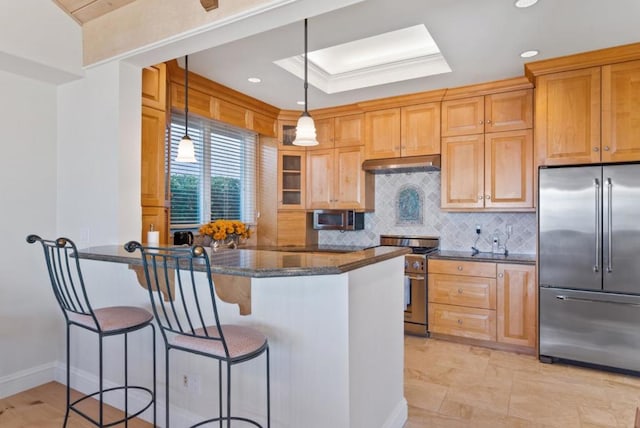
(69, 289)
(189, 320)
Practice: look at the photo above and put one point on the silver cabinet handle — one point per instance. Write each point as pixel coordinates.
(596, 149)
(606, 148)
(579, 299)
(488, 197)
(610, 224)
(415, 278)
(596, 266)
(460, 290)
(459, 267)
(500, 275)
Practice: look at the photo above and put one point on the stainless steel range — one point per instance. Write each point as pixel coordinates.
(415, 279)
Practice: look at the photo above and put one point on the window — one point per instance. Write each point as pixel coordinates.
(222, 183)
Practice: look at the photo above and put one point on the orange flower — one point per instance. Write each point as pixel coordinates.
(221, 229)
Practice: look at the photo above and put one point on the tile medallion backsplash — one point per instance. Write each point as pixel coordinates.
(409, 204)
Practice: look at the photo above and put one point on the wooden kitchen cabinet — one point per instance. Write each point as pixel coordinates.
(490, 171)
(348, 130)
(152, 183)
(405, 131)
(335, 179)
(517, 305)
(568, 117)
(154, 86)
(291, 180)
(382, 133)
(462, 299)
(502, 111)
(492, 302)
(295, 228)
(159, 218)
(621, 112)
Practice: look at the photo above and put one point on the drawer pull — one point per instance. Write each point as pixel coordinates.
(460, 322)
(459, 290)
(460, 268)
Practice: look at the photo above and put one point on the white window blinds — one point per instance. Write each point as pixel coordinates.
(222, 183)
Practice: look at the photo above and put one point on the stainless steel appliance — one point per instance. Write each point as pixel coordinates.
(415, 285)
(589, 264)
(338, 220)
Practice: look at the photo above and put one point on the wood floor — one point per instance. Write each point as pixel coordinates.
(447, 385)
(43, 407)
(454, 385)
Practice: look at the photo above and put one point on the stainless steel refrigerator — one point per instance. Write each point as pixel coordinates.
(589, 264)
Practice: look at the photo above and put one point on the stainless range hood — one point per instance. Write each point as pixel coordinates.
(397, 165)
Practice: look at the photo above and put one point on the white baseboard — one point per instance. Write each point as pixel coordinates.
(27, 379)
(399, 415)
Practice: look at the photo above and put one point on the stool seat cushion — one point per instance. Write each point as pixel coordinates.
(114, 318)
(240, 340)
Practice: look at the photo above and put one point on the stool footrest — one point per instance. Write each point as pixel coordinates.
(233, 418)
(116, 388)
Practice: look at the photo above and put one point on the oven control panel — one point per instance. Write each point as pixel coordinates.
(415, 264)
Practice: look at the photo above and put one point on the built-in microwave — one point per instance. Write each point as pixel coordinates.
(338, 220)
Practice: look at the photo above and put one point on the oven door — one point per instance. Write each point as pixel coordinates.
(415, 313)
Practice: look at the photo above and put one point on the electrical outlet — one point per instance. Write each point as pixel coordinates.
(191, 383)
(478, 229)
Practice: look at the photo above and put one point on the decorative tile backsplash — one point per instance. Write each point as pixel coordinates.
(409, 204)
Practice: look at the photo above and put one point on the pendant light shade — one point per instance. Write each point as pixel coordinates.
(306, 129)
(186, 152)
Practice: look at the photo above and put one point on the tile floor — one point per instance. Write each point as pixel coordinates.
(453, 385)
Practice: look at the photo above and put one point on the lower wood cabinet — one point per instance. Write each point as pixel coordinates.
(295, 228)
(494, 302)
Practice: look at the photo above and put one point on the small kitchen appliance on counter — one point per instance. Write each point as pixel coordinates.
(415, 279)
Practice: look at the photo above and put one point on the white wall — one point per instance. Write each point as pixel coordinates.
(31, 332)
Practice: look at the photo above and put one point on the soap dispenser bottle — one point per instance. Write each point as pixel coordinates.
(495, 245)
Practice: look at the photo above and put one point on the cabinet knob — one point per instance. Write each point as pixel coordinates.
(500, 275)
(460, 322)
(459, 267)
(606, 148)
(459, 290)
(481, 122)
(596, 149)
(488, 121)
(488, 197)
(480, 197)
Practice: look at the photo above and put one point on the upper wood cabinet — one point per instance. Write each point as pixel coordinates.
(324, 134)
(405, 131)
(568, 117)
(382, 133)
(154, 86)
(152, 173)
(335, 179)
(420, 130)
(504, 111)
(621, 112)
(587, 107)
(517, 305)
(348, 130)
(291, 180)
(491, 171)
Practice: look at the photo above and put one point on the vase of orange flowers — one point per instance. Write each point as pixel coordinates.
(227, 233)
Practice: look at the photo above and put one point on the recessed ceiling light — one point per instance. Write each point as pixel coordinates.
(300, 103)
(529, 54)
(254, 79)
(525, 3)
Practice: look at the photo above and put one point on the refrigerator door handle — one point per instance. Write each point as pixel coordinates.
(578, 299)
(596, 265)
(610, 224)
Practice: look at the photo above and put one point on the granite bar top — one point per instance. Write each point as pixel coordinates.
(525, 259)
(275, 262)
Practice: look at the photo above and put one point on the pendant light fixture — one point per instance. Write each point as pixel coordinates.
(306, 129)
(186, 153)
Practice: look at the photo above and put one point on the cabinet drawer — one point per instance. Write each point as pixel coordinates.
(460, 321)
(457, 267)
(474, 292)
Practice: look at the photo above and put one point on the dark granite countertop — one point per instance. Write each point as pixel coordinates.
(526, 259)
(274, 262)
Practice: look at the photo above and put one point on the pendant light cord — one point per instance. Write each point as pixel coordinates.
(186, 95)
(306, 82)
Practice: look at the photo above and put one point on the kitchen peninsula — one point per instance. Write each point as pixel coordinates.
(335, 326)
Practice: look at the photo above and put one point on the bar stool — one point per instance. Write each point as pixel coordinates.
(69, 290)
(189, 320)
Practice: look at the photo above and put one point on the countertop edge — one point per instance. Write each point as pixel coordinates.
(521, 259)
